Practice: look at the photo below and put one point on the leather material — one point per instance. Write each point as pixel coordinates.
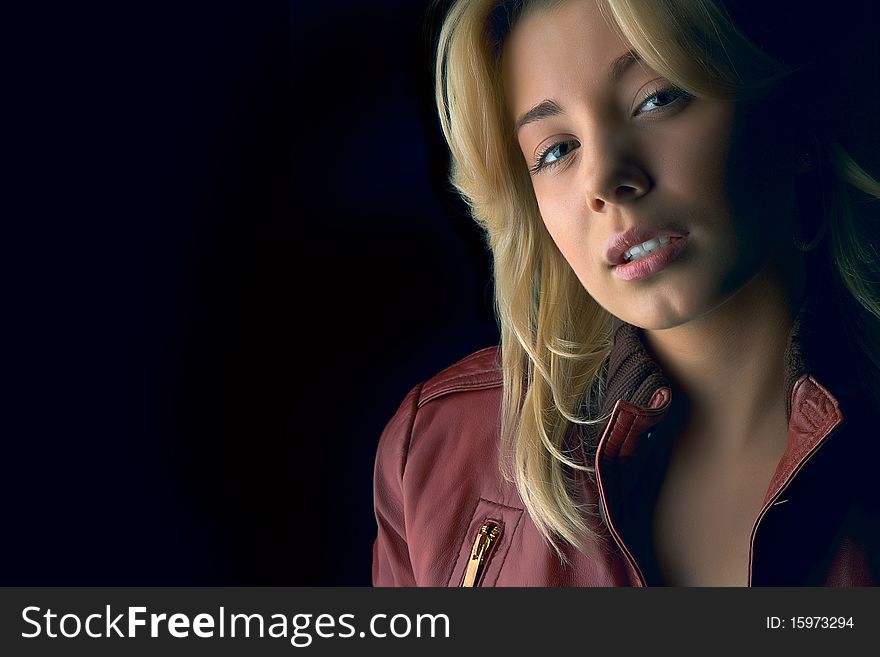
(437, 477)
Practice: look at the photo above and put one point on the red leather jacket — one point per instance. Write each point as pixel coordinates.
(445, 516)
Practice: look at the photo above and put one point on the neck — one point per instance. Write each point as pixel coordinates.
(729, 363)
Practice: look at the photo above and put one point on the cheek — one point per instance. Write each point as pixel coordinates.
(580, 247)
(759, 188)
(698, 171)
(568, 230)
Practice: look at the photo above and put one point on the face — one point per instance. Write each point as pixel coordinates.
(608, 155)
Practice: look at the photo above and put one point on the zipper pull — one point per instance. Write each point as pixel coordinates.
(486, 538)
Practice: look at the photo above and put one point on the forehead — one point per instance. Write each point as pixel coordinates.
(551, 53)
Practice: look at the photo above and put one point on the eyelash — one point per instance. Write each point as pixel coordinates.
(539, 165)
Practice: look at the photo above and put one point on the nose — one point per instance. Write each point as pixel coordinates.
(614, 180)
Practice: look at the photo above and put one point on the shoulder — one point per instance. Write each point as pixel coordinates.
(436, 466)
(478, 371)
(463, 399)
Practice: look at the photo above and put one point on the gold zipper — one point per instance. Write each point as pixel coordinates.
(489, 533)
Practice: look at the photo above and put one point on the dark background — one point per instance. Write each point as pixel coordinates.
(227, 260)
(398, 285)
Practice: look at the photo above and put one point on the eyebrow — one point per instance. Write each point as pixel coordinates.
(547, 108)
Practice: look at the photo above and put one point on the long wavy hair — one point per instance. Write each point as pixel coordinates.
(555, 339)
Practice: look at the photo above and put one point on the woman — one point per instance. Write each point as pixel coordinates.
(686, 286)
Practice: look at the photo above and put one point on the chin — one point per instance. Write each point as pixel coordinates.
(657, 324)
(662, 311)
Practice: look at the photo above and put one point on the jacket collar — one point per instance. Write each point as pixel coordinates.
(634, 376)
(820, 357)
(816, 346)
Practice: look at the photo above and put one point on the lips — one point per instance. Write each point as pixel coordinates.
(620, 242)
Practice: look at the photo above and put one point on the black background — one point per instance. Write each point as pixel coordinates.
(229, 260)
(230, 251)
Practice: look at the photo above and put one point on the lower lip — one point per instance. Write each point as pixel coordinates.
(652, 263)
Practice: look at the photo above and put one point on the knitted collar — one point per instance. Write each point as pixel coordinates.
(818, 344)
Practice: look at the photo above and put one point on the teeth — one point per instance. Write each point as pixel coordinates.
(643, 249)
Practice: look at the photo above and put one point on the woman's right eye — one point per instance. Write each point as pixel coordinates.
(553, 155)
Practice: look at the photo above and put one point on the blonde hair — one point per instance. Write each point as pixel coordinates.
(555, 338)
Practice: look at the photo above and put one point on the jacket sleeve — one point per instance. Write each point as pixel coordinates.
(391, 559)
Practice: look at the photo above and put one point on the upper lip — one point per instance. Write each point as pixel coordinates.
(620, 242)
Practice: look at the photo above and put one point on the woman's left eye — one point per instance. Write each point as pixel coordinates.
(664, 98)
